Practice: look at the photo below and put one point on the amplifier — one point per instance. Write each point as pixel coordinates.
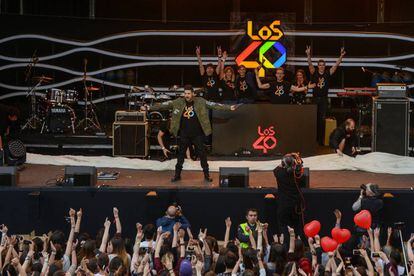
(391, 90)
(390, 125)
(130, 139)
(130, 116)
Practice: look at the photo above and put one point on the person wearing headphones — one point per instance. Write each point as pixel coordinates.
(290, 201)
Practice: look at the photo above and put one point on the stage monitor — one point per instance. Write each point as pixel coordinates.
(80, 176)
(8, 176)
(231, 177)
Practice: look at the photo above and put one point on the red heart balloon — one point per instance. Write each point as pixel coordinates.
(340, 235)
(328, 244)
(363, 219)
(312, 228)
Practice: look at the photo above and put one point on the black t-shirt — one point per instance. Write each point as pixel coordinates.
(190, 125)
(338, 135)
(322, 83)
(211, 87)
(287, 189)
(167, 135)
(279, 92)
(299, 97)
(228, 88)
(244, 91)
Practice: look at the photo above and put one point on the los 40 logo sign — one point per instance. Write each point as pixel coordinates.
(267, 38)
(267, 140)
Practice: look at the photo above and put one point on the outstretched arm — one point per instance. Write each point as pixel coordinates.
(308, 55)
(69, 243)
(218, 106)
(259, 82)
(105, 236)
(200, 62)
(117, 221)
(336, 65)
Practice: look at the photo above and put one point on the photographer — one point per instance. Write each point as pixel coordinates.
(290, 206)
(370, 199)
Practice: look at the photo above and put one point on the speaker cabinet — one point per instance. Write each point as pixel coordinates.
(130, 139)
(390, 125)
(8, 176)
(231, 177)
(80, 176)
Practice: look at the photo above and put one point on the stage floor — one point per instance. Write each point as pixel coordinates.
(44, 176)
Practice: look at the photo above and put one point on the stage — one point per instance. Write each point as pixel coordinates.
(40, 176)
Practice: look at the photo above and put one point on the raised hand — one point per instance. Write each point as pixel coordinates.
(308, 50)
(219, 52)
(198, 51)
(107, 223)
(291, 231)
(202, 235)
(228, 222)
(72, 213)
(79, 213)
(337, 214)
(376, 232)
(343, 53)
(116, 212)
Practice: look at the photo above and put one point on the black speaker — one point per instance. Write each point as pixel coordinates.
(231, 177)
(390, 125)
(130, 139)
(80, 176)
(8, 176)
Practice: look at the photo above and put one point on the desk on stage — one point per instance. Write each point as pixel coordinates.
(265, 129)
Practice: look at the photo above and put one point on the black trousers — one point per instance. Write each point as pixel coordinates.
(185, 142)
(322, 107)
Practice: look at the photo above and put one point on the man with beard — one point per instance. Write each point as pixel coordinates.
(190, 121)
(343, 138)
(210, 76)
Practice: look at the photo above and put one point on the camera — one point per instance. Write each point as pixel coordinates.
(399, 225)
(356, 252)
(375, 255)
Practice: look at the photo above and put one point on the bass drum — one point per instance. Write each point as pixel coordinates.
(60, 119)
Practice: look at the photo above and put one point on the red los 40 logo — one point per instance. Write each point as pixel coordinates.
(267, 140)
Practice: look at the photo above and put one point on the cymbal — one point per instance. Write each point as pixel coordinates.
(42, 78)
(93, 88)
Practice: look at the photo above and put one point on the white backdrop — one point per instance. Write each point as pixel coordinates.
(375, 162)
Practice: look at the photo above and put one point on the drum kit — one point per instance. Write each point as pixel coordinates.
(54, 111)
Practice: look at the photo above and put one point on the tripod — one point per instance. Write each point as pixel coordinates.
(34, 119)
(90, 121)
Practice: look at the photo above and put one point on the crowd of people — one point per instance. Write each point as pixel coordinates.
(171, 247)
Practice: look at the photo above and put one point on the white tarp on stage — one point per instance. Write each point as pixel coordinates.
(375, 162)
